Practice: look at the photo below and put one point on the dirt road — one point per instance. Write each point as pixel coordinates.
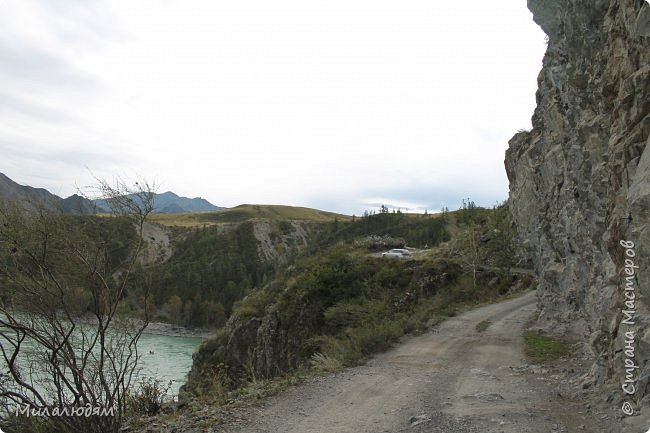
(453, 379)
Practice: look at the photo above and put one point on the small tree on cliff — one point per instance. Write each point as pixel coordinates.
(503, 238)
(468, 249)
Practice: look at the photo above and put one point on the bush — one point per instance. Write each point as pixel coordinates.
(218, 384)
(148, 398)
(375, 337)
(341, 350)
(253, 305)
(355, 312)
(345, 313)
(26, 424)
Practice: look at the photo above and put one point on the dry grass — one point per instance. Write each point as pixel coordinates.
(246, 212)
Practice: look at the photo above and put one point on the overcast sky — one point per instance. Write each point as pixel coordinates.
(341, 105)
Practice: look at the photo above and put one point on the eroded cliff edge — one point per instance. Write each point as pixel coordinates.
(580, 183)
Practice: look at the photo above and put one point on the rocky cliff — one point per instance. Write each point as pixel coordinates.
(580, 186)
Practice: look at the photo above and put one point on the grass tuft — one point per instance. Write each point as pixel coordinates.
(325, 363)
(483, 325)
(540, 348)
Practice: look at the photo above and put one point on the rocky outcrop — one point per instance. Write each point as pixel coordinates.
(580, 184)
(279, 242)
(158, 244)
(258, 344)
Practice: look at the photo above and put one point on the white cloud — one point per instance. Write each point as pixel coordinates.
(285, 102)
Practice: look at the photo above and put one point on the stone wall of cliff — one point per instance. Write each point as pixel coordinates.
(580, 184)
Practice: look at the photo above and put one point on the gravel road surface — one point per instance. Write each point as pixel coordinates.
(452, 379)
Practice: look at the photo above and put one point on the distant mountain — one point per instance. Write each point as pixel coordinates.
(76, 204)
(171, 208)
(168, 202)
(10, 190)
(13, 192)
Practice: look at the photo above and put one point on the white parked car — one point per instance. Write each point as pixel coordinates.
(397, 252)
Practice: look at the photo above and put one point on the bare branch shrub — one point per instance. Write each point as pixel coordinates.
(68, 356)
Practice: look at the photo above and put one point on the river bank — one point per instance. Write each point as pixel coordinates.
(171, 330)
(155, 328)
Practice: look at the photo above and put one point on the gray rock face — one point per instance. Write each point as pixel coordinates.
(260, 347)
(580, 182)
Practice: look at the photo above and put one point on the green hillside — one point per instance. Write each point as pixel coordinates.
(246, 212)
(341, 301)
